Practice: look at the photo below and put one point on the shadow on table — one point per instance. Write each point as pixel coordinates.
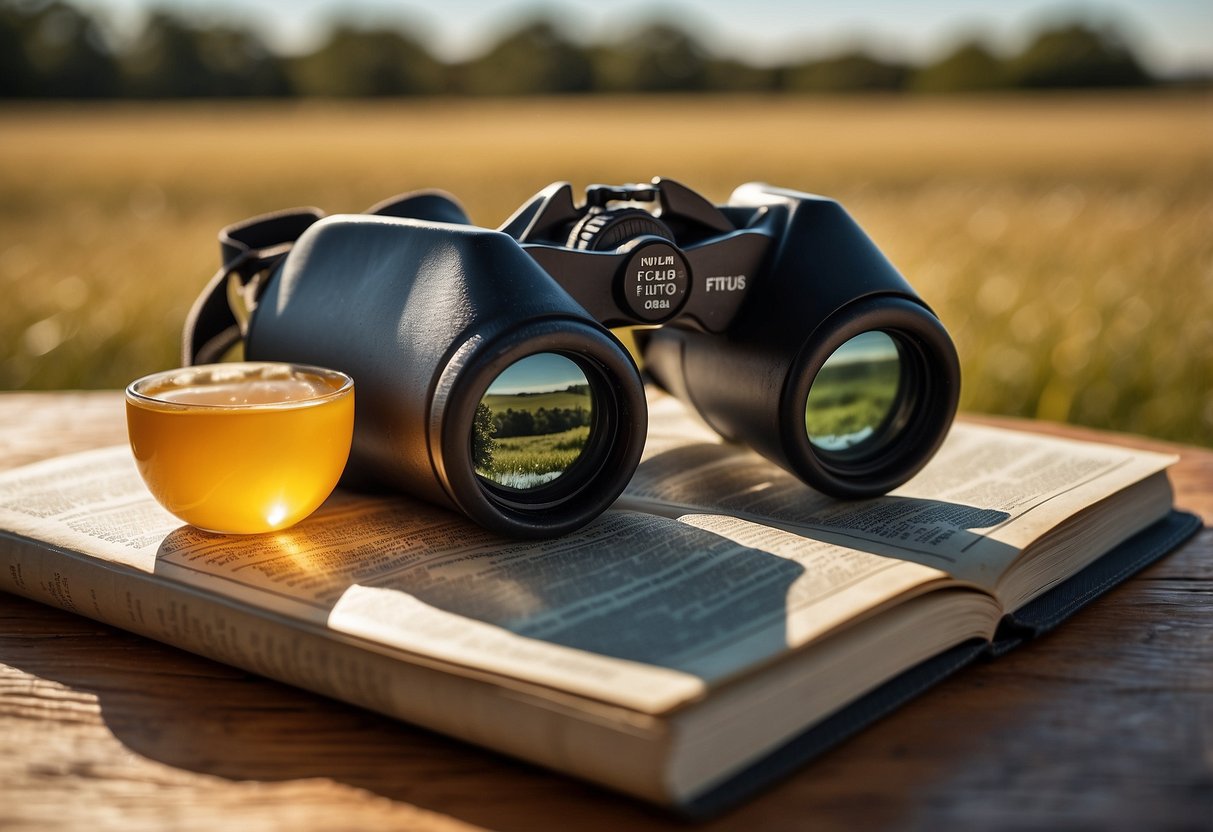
(190, 713)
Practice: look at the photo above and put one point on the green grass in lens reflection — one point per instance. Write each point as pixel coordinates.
(533, 422)
(853, 392)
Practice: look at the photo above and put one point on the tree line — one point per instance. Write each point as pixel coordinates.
(540, 422)
(488, 426)
(54, 50)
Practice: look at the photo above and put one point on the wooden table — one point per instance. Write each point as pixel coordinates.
(1108, 723)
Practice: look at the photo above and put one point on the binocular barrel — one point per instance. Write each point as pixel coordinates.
(834, 368)
(426, 318)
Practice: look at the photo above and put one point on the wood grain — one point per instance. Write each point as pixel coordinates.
(1105, 724)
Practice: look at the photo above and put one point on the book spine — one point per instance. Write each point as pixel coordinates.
(611, 746)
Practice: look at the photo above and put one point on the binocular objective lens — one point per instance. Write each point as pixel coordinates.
(533, 423)
(854, 394)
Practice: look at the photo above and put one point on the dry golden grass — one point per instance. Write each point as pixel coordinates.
(1067, 242)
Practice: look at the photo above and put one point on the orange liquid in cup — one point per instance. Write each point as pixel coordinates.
(241, 448)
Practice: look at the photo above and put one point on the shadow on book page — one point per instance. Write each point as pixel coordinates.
(633, 601)
(730, 480)
(640, 608)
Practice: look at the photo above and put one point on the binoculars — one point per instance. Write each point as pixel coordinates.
(488, 380)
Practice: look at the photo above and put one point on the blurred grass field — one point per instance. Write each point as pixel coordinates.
(1066, 241)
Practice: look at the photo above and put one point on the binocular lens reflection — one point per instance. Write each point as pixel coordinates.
(853, 393)
(533, 422)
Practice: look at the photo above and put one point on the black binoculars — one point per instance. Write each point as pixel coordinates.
(488, 380)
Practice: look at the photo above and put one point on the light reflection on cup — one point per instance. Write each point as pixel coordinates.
(241, 448)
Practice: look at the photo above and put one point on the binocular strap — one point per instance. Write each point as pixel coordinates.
(249, 249)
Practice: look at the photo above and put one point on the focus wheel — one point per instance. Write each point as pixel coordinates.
(608, 230)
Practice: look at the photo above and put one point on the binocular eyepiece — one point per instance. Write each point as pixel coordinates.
(488, 380)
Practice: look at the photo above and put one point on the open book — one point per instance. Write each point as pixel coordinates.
(718, 626)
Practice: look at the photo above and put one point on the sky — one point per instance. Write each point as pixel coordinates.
(867, 346)
(1171, 36)
(537, 374)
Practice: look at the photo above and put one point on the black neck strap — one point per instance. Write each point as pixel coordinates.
(247, 249)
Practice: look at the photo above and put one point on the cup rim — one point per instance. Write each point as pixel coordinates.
(135, 396)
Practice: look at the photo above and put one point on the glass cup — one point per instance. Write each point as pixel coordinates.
(241, 448)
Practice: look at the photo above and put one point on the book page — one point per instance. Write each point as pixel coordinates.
(985, 496)
(94, 499)
(637, 610)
